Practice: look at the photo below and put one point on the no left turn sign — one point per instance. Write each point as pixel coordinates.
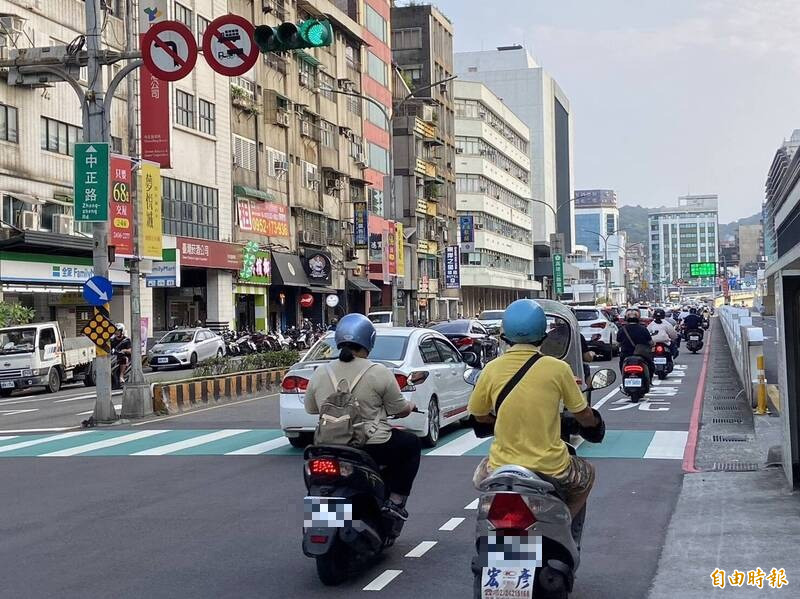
(228, 45)
(169, 50)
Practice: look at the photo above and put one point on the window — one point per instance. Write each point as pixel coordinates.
(309, 174)
(184, 109)
(611, 225)
(356, 147)
(116, 145)
(49, 210)
(407, 39)
(376, 68)
(244, 153)
(378, 158)
(428, 351)
(413, 72)
(326, 84)
(327, 136)
(208, 123)
(202, 25)
(59, 137)
(184, 15)
(354, 105)
(308, 73)
(375, 201)
(11, 209)
(277, 164)
(8, 123)
(190, 210)
(449, 355)
(376, 117)
(376, 24)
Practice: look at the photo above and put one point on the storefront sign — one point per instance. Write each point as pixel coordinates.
(154, 94)
(150, 231)
(332, 300)
(452, 267)
(265, 218)
(90, 170)
(400, 249)
(167, 271)
(466, 227)
(318, 267)
(40, 268)
(306, 300)
(120, 221)
(391, 249)
(210, 254)
(260, 271)
(361, 228)
(375, 246)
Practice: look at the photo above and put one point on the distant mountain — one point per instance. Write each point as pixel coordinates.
(634, 220)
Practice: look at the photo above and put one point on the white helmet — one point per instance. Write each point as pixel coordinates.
(120, 327)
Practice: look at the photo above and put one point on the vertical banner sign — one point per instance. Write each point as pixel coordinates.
(121, 218)
(360, 224)
(466, 226)
(153, 94)
(150, 232)
(452, 268)
(91, 182)
(391, 249)
(385, 253)
(558, 274)
(400, 250)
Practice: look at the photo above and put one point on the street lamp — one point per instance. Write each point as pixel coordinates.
(605, 250)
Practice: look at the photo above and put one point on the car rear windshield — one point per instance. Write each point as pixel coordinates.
(387, 347)
(584, 315)
(178, 337)
(491, 315)
(455, 327)
(381, 318)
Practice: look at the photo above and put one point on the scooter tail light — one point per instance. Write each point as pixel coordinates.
(659, 349)
(324, 467)
(510, 512)
(633, 369)
(319, 539)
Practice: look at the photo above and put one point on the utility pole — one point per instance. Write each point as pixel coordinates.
(136, 396)
(95, 129)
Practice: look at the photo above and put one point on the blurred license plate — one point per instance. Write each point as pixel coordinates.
(660, 360)
(694, 337)
(7, 385)
(327, 512)
(633, 382)
(162, 360)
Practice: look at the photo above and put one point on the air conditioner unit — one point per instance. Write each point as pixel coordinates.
(282, 118)
(459, 150)
(63, 224)
(478, 226)
(280, 165)
(28, 221)
(361, 161)
(305, 128)
(304, 79)
(305, 237)
(481, 113)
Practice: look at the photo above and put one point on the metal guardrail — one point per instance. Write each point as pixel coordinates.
(745, 342)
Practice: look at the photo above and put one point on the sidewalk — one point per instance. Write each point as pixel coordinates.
(736, 513)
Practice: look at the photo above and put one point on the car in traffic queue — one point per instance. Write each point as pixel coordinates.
(185, 347)
(599, 332)
(427, 366)
(492, 320)
(470, 335)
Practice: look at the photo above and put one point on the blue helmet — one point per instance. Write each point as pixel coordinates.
(355, 328)
(524, 321)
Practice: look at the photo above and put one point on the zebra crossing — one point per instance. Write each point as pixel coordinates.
(633, 444)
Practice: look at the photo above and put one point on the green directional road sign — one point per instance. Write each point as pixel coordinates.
(606, 264)
(91, 182)
(703, 269)
(558, 273)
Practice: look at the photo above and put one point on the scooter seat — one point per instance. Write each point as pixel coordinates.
(519, 476)
(341, 451)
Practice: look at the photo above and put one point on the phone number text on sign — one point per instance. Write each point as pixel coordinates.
(266, 218)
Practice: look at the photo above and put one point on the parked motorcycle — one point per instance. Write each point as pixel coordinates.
(525, 535)
(694, 340)
(662, 358)
(635, 377)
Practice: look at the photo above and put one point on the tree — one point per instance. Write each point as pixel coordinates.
(12, 314)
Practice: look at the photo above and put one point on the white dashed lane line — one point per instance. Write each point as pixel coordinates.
(472, 505)
(421, 549)
(598, 405)
(381, 581)
(451, 524)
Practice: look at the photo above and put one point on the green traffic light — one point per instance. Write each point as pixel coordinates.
(316, 33)
(311, 33)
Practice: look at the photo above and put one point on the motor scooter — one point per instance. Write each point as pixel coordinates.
(635, 377)
(694, 340)
(526, 539)
(662, 358)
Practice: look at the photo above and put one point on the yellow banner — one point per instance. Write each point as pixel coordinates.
(400, 251)
(150, 229)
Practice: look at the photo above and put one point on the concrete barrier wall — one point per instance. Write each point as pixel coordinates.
(182, 396)
(745, 342)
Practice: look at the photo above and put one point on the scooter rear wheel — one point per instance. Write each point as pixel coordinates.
(332, 567)
(551, 584)
(662, 375)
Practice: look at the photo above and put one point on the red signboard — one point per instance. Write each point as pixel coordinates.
(390, 249)
(306, 300)
(121, 206)
(154, 103)
(210, 254)
(266, 218)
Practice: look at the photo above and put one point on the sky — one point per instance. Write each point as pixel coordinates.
(668, 97)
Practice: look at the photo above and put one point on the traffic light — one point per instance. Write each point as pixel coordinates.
(311, 33)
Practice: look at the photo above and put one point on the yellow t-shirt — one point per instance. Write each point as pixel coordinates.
(528, 429)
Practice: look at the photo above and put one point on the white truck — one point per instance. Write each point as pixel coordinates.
(38, 355)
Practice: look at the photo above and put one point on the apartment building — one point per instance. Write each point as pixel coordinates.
(492, 171)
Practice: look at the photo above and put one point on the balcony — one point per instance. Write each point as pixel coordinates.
(426, 130)
(422, 205)
(426, 168)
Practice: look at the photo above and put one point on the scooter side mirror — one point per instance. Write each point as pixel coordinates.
(603, 378)
(471, 359)
(471, 376)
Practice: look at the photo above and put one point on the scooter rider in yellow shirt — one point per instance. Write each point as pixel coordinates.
(528, 431)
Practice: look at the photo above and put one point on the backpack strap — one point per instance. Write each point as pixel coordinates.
(509, 387)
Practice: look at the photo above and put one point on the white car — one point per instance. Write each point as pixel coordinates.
(492, 320)
(185, 347)
(598, 331)
(428, 368)
(381, 319)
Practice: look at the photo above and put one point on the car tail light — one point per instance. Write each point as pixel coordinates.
(464, 342)
(409, 382)
(324, 467)
(294, 384)
(510, 512)
(633, 369)
(598, 325)
(597, 337)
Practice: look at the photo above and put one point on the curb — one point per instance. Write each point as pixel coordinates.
(690, 452)
(184, 396)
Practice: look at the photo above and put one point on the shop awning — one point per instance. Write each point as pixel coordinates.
(288, 270)
(315, 289)
(241, 191)
(306, 57)
(23, 197)
(67, 245)
(362, 284)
